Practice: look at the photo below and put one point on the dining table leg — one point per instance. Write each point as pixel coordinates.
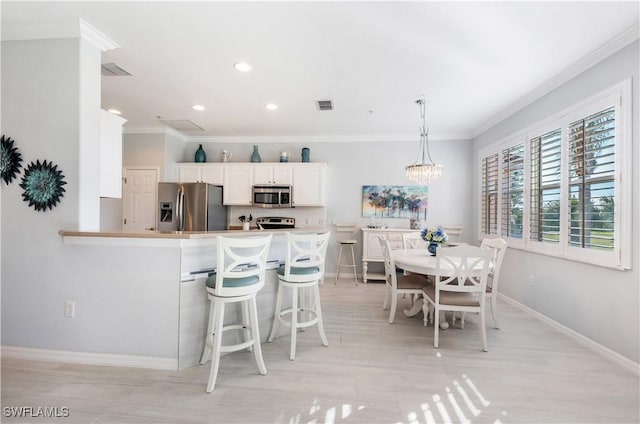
(417, 307)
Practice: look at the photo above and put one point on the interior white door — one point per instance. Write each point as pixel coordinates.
(140, 191)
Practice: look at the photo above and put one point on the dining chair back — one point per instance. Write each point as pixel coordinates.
(454, 232)
(460, 284)
(498, 248)
(240, 274)
(301, 272)
(413, 240)
(410, 284)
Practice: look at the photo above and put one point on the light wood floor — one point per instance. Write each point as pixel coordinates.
(372, 372)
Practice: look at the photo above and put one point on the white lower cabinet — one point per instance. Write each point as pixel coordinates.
(372, 250)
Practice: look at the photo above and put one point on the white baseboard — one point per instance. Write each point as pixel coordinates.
(89, 358)
(623, 361)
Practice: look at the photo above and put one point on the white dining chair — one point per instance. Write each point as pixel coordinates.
(454, 232)
(460, 284)
(398, 284)
(413, 240)
(239, 276)
(498, 248)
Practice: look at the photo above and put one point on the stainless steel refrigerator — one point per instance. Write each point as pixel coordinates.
(190, 207)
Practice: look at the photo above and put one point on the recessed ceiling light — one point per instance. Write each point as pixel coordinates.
(114, 111)
(242, 67)
(271, 106)
(197, 107)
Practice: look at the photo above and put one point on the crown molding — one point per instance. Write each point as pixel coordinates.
(385, 138)
(96, 37)
(60, 29)
(616, 44)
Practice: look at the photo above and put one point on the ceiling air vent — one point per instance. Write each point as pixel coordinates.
(181, 124)
(113, 70)
(324, 104)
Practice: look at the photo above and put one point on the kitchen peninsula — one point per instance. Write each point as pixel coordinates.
(143, 300)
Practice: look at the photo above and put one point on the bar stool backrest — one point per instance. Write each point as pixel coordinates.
(305, 256)
(241, 265)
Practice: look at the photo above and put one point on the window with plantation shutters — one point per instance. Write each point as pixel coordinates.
(489, 202)
(545, 183)
(591, 180)
(563, 187)
(512, 191)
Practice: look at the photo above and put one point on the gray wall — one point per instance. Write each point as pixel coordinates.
(600, 303)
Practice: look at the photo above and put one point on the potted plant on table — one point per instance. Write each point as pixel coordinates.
(435, 237)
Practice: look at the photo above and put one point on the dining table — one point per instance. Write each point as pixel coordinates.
(421, 261)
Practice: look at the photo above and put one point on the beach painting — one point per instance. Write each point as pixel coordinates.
(382, 201)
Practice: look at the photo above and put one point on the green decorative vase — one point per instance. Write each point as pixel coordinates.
(255, 156)
(201, 156)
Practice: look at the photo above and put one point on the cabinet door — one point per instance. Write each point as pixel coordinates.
(308, 185)
(262, 175)
(272, 174)
(189, 173)
(212, 174)
(237, 185)
(374, 249)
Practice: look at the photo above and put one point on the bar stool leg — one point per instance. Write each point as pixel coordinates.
(217, 342)
(338, 267)
(246, 325)
(353, 261)
(294, 323)
(208, 343)
(257, 349)
(276, 315)
(323, 336)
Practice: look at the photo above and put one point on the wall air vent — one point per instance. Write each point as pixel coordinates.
(181, 124)
(324, 104)
(113, 70)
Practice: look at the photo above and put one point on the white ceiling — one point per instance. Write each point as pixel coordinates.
(474, 61)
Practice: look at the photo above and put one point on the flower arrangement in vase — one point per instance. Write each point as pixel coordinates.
(435, 237)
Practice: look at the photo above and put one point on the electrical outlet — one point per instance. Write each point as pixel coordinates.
(532, 280)
(70, 309)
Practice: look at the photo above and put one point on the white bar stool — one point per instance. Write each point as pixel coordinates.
(240, 274)
(345, 239)
(303, 269)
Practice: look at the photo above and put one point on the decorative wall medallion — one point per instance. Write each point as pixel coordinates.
(42, 184)
(10, 159)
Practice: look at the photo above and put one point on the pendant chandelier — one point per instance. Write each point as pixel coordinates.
(424, 172)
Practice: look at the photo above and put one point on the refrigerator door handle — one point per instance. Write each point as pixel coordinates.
(180, 207)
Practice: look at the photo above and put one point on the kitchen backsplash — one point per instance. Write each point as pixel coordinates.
(305, 217)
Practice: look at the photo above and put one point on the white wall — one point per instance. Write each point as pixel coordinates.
(40, 110)
(599, 303)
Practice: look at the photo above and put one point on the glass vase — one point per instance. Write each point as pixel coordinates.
(255, 156)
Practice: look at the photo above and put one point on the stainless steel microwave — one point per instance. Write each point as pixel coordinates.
(271, 196)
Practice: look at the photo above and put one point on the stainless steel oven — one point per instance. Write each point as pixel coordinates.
(271, 196)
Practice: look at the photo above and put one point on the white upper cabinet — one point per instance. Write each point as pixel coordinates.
(272, 174)
(308, 184)
(238, 182)
(208, 173)
(238, 179)
(111, 154)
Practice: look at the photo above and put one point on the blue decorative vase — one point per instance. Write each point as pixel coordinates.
(305, 154)
(201, 156)
(432, 248)
(255, 156)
